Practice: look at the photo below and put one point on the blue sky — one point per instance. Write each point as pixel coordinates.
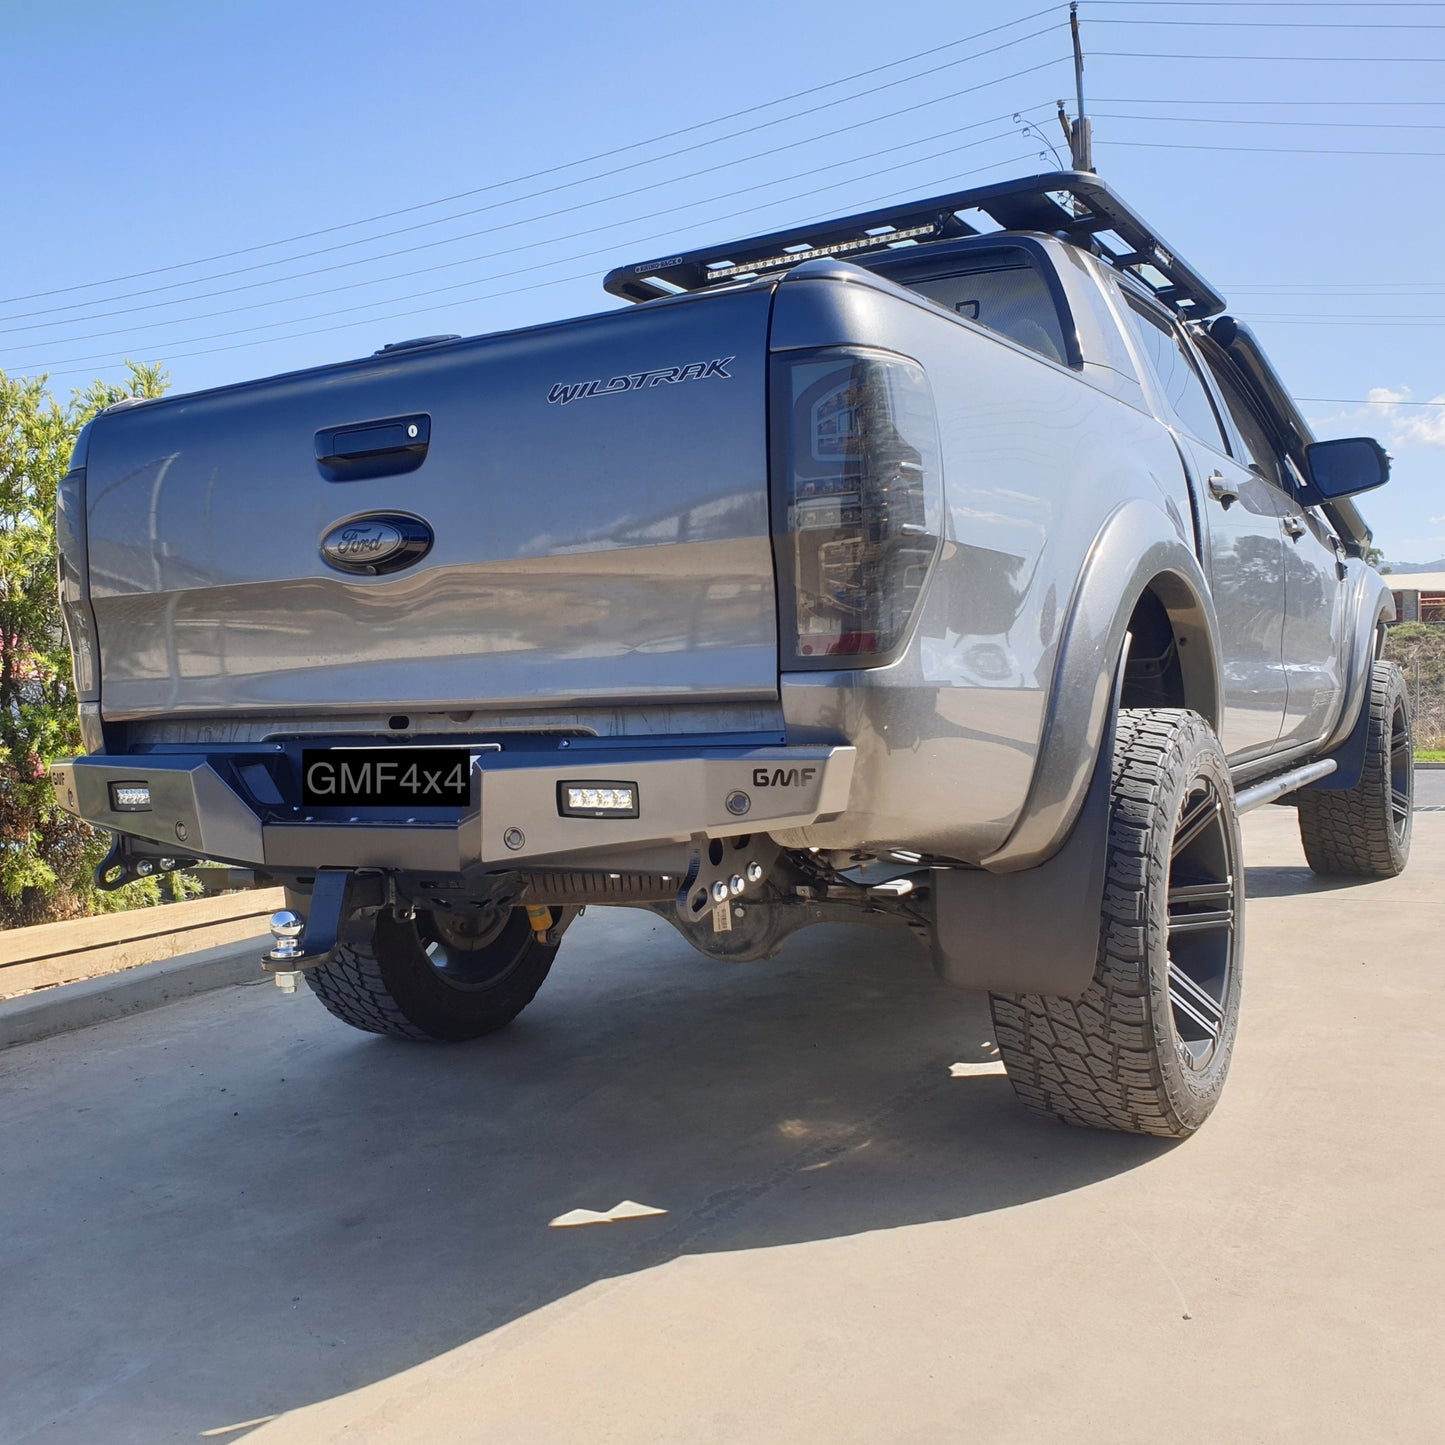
(1293, 152)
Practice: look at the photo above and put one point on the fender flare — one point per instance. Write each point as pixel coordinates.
(1137, 548)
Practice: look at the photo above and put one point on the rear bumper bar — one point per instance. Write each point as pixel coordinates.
(514, 816)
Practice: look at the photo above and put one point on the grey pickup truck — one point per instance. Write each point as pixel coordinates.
(957, 567)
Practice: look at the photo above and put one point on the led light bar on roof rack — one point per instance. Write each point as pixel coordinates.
(814, 253)
(1074, 205)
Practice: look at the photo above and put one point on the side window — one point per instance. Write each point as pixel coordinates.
(1178, 378)
(1012, 300)
(1257, 442)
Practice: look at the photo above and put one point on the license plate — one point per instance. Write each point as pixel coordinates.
(386, 777)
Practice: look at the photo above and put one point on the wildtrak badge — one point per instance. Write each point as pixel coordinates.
(566, 391)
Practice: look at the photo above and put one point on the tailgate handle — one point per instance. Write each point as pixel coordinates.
(373, 448)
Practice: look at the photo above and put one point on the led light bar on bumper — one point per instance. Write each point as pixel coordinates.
(597, 800)
(130, 797)
(859, 520)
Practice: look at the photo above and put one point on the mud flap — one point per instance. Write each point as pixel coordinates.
(1349, 757)
(1035, 931)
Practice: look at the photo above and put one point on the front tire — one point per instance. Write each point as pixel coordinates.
(435, 976)
(1364, 831)
(1147, 1047)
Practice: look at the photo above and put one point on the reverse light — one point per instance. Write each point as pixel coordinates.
(597, 800)
(130, 797)
(861, 508)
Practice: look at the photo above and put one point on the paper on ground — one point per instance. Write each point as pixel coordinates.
(971, 1071)
(627, 1209)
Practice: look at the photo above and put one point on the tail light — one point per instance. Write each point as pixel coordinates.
(858, 518)
(73, 573)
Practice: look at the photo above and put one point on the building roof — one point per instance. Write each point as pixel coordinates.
(1415, 581)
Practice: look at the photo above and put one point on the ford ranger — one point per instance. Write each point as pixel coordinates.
(958, 567)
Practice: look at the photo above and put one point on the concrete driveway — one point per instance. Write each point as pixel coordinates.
(1430, 789)
(236, 1217)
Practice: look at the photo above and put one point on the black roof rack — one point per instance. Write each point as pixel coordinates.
(1075, 205)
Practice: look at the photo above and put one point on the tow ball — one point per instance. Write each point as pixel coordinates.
(282, 962)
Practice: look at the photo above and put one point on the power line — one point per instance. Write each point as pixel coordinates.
(1434, 322)
(1160, 145)
(603, 155)
(347, 245)
(1383, 289)
(452, 240)
(1280, 24)
(1354, 316)
(1332, 103)
(817, 190)
(1409, 288)
(1194, 55)
(1365, 401)
(555, 261)
(559, 281)
(1279, 4)
(1251, 120)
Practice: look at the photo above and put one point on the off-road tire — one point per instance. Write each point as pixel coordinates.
(1118, 1058)
(1364, 831)
(392, 985)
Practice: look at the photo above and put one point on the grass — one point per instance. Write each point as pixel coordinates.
(1419, 648)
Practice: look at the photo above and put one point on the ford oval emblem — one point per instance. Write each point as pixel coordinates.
(376, 542)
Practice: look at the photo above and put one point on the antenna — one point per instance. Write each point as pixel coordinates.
(1080, 134)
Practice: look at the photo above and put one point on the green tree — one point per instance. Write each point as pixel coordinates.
(46, 856)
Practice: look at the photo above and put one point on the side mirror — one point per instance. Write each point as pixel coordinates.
(1341, 468)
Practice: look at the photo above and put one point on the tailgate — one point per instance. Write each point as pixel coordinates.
(595, 494)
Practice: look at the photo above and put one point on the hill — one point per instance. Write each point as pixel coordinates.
(1405, 568)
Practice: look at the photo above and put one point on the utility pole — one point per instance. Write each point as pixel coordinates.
(1080, 134)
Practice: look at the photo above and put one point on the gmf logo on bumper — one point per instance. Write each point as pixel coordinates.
(783, 777)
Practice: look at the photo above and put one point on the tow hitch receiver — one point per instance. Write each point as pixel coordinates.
(302, 943)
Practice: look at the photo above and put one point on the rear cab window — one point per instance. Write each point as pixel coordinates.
(1002, 288)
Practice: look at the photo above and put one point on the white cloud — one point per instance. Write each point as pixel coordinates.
(1425, 427)
(1394, 424)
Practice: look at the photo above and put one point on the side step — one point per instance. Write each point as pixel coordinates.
(1277, 787)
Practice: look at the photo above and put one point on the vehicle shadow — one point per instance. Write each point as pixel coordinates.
(1282, 881)
(347, 1207)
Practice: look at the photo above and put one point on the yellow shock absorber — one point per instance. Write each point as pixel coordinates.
(541, 920)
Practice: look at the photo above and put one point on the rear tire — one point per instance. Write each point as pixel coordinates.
(435, 976)
(1364, 831)
(1147, 1047)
